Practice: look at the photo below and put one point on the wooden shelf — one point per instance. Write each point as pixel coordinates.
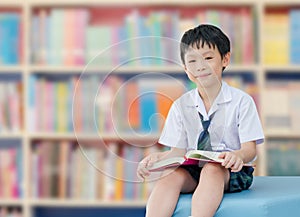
(86, 203)
(128, 69)
(242, 68)
(36, 3)
(11, 69)
(14, 4)
(285, 134)
(11, 135)
(279, 3)
(86, 136)
(10, 202)
(102, 70)
(280, 69)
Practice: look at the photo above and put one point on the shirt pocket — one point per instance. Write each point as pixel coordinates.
(231, 136)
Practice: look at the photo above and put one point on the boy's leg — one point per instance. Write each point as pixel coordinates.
(208, 195)
(164, 196)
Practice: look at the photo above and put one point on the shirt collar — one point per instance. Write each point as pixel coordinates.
(224, 96)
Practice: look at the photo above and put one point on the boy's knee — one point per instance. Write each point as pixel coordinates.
(213, 168)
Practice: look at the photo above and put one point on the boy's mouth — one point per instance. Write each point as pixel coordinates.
(203, 75)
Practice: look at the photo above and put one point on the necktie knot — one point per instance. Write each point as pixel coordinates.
(204, 140)
(205, 125)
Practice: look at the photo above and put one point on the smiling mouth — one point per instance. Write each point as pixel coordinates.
(203, 75)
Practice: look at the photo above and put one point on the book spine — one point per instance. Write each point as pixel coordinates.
(69, 37)
(41, 39)
(32, 104)
(56, 36)
(294, 16)
(81, 20)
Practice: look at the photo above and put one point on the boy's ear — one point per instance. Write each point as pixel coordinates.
(184, 67)
(226, 59)
(187, 72)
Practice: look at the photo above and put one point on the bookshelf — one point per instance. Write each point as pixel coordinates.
(257, 72)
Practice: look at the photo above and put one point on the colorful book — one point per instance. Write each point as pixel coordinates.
(276, 38)
(132, 105)
(294, 16)
(99, 52)
(56, 36)
(42, 37)
(32, 103)
(167, 91)
(9, 39)
(82, 19)
(148, 106)
(69, 36)
(61, 106)
(63, 167)
(77, 104)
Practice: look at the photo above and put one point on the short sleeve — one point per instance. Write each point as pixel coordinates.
(249, 125)
(173, 133)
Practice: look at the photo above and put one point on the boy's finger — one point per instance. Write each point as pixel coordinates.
(140, 176)
(144, 163)
(227, 158)
(230, 163)
(144, 172)
(150, 163)
(222, 155)
(152, 160)
(237, 167)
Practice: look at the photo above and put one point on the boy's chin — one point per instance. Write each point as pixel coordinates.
(208, 83)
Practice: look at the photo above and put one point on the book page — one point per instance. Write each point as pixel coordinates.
(166, 163)
(204, 155)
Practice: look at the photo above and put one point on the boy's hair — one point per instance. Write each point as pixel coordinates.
(206, 34)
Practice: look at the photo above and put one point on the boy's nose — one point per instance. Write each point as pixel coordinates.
(201, 67)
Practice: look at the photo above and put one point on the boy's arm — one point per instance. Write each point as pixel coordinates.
(247, 152)
(236, 159)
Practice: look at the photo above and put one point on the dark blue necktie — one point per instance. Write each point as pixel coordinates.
(204, 140)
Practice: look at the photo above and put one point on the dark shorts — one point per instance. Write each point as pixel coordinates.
(239, 181)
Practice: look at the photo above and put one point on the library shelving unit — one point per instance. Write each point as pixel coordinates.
(49, 58)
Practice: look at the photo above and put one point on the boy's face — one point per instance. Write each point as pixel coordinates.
(204, 65)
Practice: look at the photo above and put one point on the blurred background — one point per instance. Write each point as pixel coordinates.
(85, 87)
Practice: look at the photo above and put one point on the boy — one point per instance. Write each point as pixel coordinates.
(226, 115)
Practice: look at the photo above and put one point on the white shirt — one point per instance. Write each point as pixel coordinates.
(234, 120)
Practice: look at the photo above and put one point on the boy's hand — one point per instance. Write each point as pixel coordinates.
(148, 161)
(232, 160)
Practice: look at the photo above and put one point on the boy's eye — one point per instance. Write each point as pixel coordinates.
(208, 58)
(192, 61)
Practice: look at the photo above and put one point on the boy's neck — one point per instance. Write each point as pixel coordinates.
(209, 94)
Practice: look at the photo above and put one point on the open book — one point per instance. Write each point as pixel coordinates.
(192, 157)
